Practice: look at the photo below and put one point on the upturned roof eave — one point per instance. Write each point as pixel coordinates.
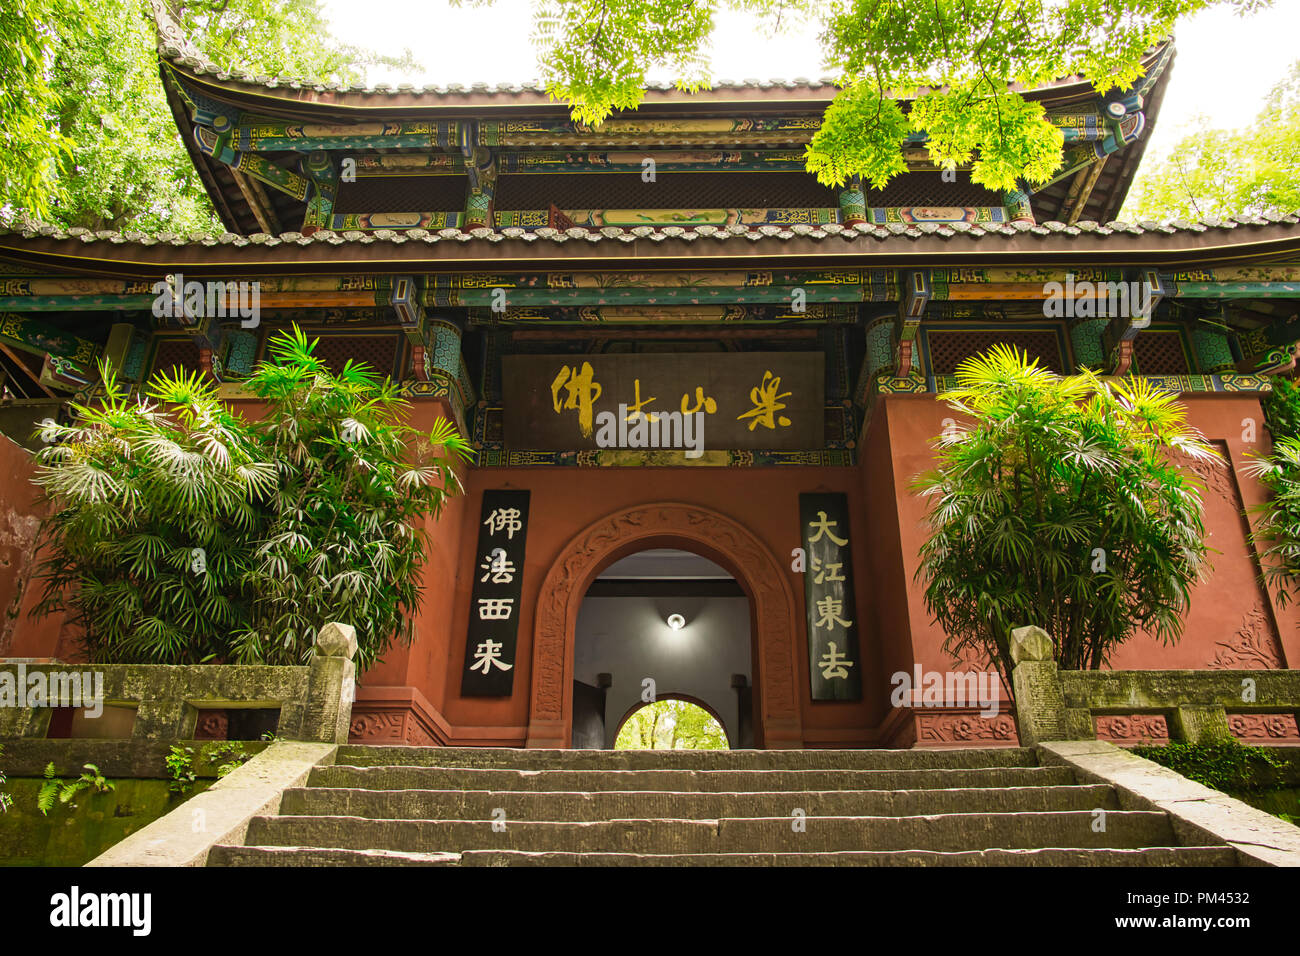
(300, 100)
(873, 247)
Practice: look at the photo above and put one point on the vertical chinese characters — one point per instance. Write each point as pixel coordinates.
(828, 591)
(493, 624)
(581, 391)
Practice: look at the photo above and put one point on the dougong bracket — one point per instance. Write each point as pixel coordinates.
(911, 310)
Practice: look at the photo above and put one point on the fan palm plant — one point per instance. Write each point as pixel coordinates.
(1277, 533)
(354, 491)
(179, 533)
(1060, 506)
(152, 502)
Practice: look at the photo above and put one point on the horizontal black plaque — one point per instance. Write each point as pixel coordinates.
(494, 600)
(756, 400)
(834, 666)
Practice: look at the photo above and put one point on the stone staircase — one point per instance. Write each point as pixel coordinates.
(496, 807)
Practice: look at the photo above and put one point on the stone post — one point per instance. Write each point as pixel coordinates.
(164, 719)
(331, 686)
(1040, 703)
(1202, 724)
(23, 721)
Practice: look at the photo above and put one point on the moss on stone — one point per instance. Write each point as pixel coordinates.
(75, 833)
(1261, 776)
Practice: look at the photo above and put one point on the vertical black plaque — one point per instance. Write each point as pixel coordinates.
(834, 666)
(494, 600)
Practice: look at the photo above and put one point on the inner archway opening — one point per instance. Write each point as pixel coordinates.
(669, 626)
(671, 723)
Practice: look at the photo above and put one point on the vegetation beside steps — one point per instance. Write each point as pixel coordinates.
(1265, 777)
(113, 788)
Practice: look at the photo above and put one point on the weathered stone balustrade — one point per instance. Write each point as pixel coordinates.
(1060, 705)
(315, 700)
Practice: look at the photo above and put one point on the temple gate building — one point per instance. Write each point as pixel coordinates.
(698, 382)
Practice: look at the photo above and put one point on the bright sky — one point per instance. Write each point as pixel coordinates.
(1225, 66)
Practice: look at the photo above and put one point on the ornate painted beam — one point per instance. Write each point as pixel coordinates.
(565, 334)
(665, 161)
(723, 294)
(258, 133)
(1236, 290)
(1269, 273)
(277, 136)
(255, 195)
(39, 338)
(514, 290)
(535, 162)
(361, 222)
(479, 198)
(727, 314)
(916, 291)
(67, 361)
(812, 216)
(217, 145)
(1123, 328)
(397, 165)
(320, 168)
(1080, 190)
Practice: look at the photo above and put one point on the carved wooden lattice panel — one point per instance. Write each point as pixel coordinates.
(403, 194)
(626, 190)
(949, 348)
(377, 351)
(929, 189)
(1160, 352)
(176, 353)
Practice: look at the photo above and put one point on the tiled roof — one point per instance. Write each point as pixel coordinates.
(703, 234)
(202, 66)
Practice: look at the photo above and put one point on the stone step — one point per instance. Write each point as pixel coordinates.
(223, 855)
(946, 832)
(516, 759)
(1103, 856)
(708, 781)
(625, 804)
(293, 856)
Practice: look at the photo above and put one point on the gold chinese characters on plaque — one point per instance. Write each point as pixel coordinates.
(754, 400)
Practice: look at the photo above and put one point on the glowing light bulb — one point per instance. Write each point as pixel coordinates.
(676, 622)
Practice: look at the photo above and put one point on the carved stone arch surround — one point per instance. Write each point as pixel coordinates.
(773, 623)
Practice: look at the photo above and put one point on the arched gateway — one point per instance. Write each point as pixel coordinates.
(665, 525)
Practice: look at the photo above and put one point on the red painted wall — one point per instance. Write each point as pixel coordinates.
(1232, 622)
(20, 634)
(413, 694)
(565, 500)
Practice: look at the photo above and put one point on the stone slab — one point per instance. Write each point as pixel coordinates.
(1199, 815)
(457, 804)
(929, 758)
(712, 781)
(787, 833)
(1105, 857)
(227, 807)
